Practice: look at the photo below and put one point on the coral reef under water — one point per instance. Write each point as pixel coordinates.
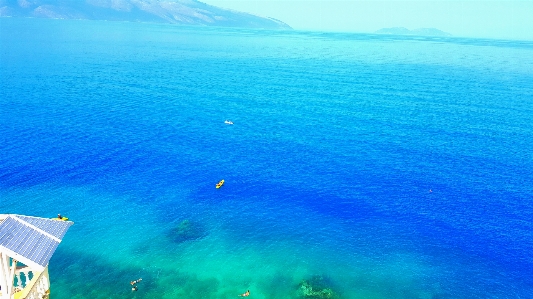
(187, 230)
(317, 287)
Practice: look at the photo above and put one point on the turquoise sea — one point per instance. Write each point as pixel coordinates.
(368, 166)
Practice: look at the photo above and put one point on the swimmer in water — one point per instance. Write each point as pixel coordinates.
(245, 294)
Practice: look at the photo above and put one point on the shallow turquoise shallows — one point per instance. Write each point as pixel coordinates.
(357, 165)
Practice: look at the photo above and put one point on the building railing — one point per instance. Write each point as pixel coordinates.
(30, 284)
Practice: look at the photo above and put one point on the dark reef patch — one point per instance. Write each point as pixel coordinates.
(317, 287)
(187, 230)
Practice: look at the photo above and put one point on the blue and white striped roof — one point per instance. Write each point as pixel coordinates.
(31, 240)
(56, 228)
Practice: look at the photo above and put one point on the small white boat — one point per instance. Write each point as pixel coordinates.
(228, 122)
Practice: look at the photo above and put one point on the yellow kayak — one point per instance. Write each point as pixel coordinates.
(220, 184)
(62, 218)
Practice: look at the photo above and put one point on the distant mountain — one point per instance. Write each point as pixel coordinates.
(189, 12)
(419, 31)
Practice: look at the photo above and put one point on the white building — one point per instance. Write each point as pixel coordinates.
(26, 246)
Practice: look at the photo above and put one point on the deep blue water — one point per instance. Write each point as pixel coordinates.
(392, 167)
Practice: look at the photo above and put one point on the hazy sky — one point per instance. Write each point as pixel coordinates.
(507, 19)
